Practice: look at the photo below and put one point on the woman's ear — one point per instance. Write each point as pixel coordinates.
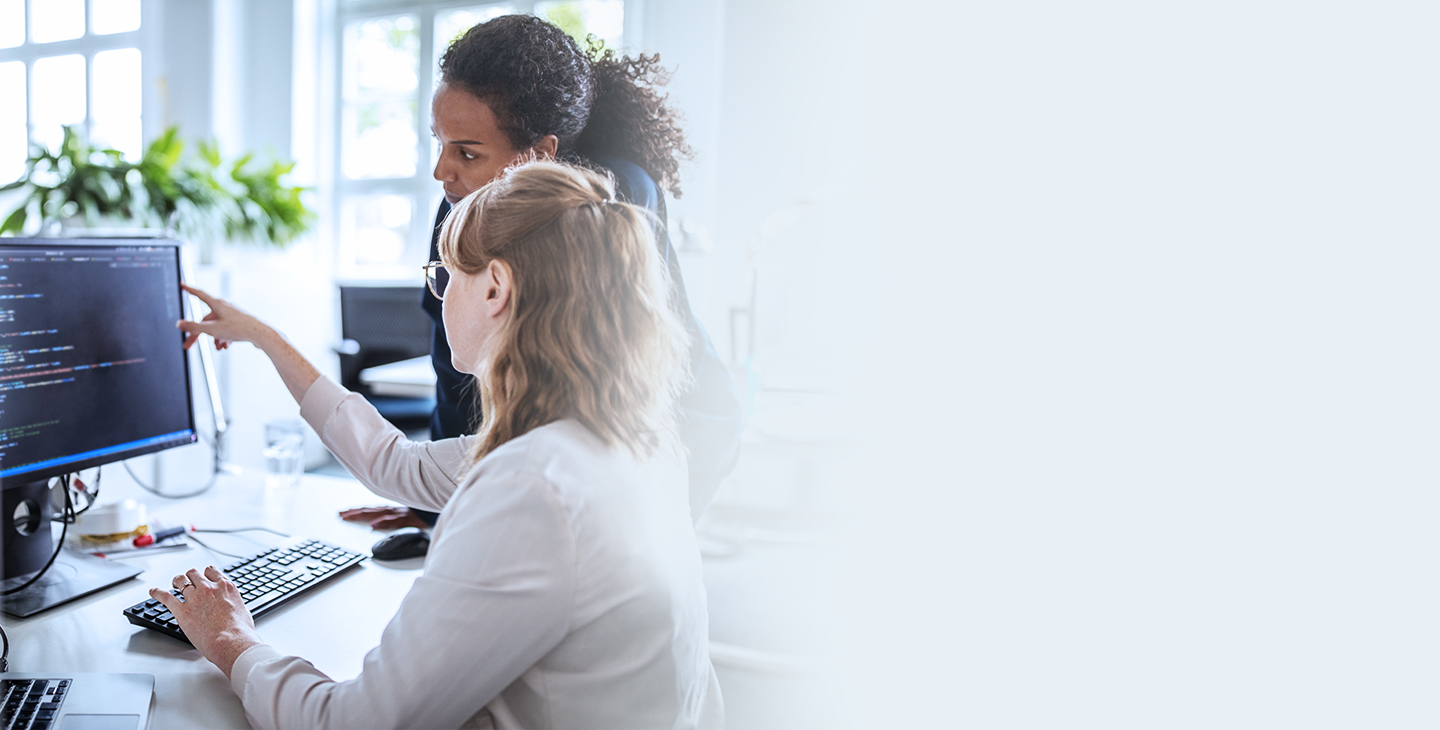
(498, 282)
(546, 148)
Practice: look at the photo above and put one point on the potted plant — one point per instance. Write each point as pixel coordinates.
(199, 197)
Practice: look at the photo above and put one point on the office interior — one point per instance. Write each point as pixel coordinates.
(341, 88)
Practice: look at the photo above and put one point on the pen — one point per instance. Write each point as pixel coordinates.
(150, 538)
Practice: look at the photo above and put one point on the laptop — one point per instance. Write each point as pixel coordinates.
(76, 701)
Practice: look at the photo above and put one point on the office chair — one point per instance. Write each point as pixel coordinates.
(381, 325)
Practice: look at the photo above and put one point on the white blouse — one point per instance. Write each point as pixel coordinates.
(562, 589)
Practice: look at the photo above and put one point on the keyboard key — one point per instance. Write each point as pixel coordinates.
(262, 580)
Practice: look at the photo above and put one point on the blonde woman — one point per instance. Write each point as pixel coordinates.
(563, 585)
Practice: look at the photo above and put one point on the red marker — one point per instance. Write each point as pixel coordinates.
(150, 538)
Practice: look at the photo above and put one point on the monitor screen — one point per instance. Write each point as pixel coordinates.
(91, 365)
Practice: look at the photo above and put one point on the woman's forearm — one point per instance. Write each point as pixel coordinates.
(228, 323)
(294, 369)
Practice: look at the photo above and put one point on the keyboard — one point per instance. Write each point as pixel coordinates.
(266, 580)
(31, 704)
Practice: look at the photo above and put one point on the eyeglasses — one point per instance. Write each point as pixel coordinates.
(437, 278)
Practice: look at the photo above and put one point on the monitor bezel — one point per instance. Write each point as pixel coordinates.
(27, 477)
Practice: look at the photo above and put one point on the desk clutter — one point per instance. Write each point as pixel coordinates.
(267, 580)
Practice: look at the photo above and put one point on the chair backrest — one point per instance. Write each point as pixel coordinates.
(387, 324)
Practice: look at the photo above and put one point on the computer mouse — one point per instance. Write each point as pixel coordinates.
(401, 546)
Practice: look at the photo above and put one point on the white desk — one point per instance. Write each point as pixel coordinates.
(413, 378)
(333, 628)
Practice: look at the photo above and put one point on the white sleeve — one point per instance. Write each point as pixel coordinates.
(418, 474)
(496, 596)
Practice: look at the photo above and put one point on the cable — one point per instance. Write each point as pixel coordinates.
(247, 529)
(213, 550)
(237, 529)
(92, 495)
(217, 452)
(214, 474)
(5, 657)
(217, 444)
(64, 528)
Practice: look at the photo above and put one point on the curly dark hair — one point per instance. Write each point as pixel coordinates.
(538, 81)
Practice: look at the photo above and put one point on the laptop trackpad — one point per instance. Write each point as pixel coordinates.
(100, 722)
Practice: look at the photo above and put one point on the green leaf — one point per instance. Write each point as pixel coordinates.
(15, 222)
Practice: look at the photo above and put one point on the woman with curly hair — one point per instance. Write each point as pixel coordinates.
(516, 87)
(564, 587)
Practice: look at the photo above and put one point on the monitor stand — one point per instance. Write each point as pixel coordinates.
(73, 575)
(28, 545)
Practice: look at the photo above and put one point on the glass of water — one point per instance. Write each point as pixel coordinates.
(284, 452)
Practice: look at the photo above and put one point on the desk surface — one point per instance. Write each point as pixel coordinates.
(413, 378)
(333, 628)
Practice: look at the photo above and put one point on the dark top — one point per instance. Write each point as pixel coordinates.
(710, 413)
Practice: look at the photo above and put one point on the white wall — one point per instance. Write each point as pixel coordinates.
(768, 93)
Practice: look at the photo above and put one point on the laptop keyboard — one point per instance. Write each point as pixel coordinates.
(267, 580)
(31, 704)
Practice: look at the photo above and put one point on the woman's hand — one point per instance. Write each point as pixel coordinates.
(226, 323)
(212, 616)
(384, 519)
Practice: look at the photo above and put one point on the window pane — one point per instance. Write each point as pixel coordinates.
(379, 124)
(59, 97)
(604, 18)
(379, 140)
(382, 56)
(114, 16)
(115, 101)
(12, 23)
(450, 24)
(56, 20)
(12, 121)
(374, 230)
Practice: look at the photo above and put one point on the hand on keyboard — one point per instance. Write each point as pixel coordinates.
(212, 614)
(264, 581)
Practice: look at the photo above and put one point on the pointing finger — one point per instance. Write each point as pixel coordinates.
(201, 294)
(190, 338)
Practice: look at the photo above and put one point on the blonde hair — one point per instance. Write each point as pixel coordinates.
(591, 334)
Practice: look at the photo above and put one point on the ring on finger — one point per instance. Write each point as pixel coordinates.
(187, 585)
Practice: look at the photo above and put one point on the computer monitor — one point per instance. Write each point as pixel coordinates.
(91, 372)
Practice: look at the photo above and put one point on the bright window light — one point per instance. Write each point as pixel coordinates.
(376, 228)
(579, 18)
(59, 96)
(380, 115)
(114, 16)
(56, 20)
(12, 23)
(12, 121)
(115, 101)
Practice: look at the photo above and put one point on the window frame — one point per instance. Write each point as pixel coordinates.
(87, 46)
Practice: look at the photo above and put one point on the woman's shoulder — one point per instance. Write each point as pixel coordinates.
(567, 460)
(632, 183)
(547, 454)
(543, 443)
